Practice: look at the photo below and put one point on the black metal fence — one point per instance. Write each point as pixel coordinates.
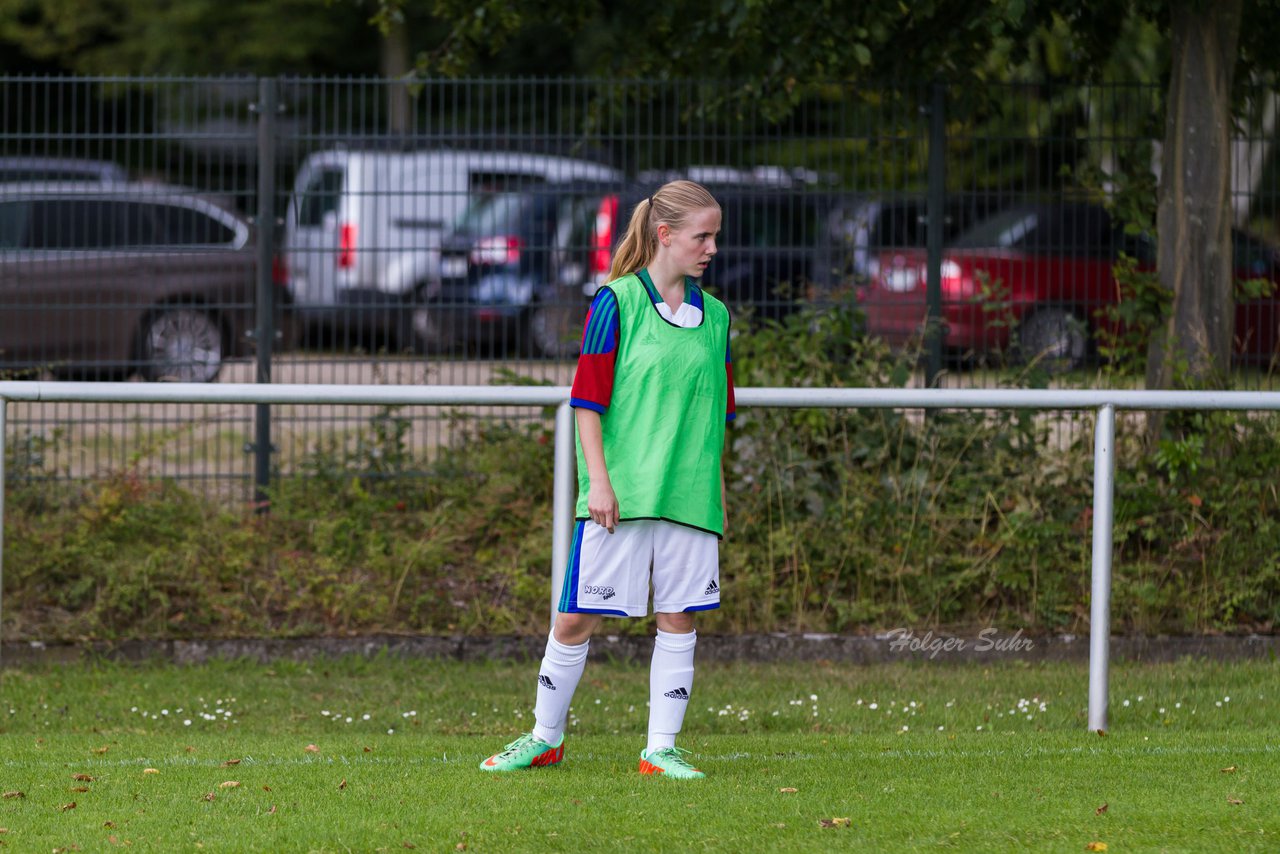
(365, 231)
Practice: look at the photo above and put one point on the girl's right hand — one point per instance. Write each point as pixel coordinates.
(602, 505)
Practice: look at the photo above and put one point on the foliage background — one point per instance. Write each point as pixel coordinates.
(840, 521)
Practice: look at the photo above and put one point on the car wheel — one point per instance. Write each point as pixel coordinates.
(181, 345)
(555, 329)
(1056, 339)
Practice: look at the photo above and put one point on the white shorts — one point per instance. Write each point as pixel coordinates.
(610, 573)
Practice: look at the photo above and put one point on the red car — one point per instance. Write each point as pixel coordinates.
(1034, 278)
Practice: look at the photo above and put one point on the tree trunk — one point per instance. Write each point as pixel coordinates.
(1194, 219)
(395, 66)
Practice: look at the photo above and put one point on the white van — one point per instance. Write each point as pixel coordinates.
(364, 228)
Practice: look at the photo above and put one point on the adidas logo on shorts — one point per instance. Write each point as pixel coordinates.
(545, 682)
(677, 694)
(711, 588)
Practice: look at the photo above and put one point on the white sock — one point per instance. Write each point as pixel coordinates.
(558, 677)
(670, 683)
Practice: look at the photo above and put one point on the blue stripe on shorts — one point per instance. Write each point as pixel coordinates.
(569, 593)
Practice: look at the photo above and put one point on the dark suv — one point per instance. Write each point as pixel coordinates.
(512, 273)
(100, 281)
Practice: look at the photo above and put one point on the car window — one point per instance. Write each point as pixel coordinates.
(89, 224)
(178, 225)
(899, 225)
(577, 222)
(13, 224)
(499, 182)
(1252, 256)
(320, 197)
(1077, 231)
(769, 223)
(494, 213)
(1004, 231)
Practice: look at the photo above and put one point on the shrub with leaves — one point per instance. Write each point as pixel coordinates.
(839, 520)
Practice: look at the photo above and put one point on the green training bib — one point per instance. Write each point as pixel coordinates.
(664, 428)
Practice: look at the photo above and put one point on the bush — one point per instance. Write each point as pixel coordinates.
(840, 521)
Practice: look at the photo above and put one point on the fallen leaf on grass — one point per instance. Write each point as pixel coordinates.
(1235, 802)
(272, 811)
(229, 784)
(266, 788)
(1102, 733)
(407, 844)
(1100, 810)
(343, 784)
(150, 770)
(835, 822)
(1096, 846)
(789, 789)
(83, 778)
(79, 790)
(1230, 769)
(311, 748)
(230, 762)
(101, 750)
(4, 830)
(109, 825)
(368, 750)
(209, 796)
(8, 796)
(69, 806)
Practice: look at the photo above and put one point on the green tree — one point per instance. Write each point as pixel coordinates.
(784, 49)
(190, 36)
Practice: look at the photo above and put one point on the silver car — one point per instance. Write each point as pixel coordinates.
(103, 281)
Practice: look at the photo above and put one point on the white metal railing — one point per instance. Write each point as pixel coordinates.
(1105, 403)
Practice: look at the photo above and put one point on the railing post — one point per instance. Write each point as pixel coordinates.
(562, 500)
(265, 302)
(935, 226)
(1100, 601)
(4, 448)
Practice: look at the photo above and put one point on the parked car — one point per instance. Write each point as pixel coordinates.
(873, 225)
(18, 170)
(512, 272)
(1034, 278)
(102, 281)
(364, 229)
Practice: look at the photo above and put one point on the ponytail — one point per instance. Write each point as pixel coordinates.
(638, 245)
(672, 204)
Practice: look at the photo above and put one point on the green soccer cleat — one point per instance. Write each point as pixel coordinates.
(668, 762)
(525, 752)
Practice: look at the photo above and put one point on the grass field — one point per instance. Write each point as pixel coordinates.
(368, 755)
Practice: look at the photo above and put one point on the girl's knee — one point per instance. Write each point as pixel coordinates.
(681, 623)
(575, 629)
